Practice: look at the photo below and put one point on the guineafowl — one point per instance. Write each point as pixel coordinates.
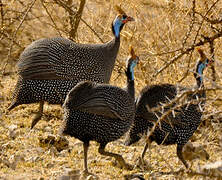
(50, 67)
(180, 126)
(100, 112)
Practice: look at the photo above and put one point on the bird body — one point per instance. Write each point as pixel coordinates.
(178, 127)
(60, 58)
(48, 68)
(100, 126)
(43, 78)
(100, 112)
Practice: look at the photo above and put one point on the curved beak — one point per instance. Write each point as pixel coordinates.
(211, 61)
(129, 18)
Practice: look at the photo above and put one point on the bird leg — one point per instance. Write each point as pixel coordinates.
(141, 162)
(144, 150)
(180, 155)
(38, 114)
(118, 157)
(85, 147)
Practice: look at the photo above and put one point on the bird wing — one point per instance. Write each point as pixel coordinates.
(34, 61)
(99, 106)
(58, 58)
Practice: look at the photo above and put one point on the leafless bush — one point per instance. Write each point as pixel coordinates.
(164, 35)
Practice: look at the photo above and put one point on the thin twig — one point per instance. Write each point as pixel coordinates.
(191, 24)
(55, 26)
(191, 48)
(186, 51)
(177, 100)
(211, 21)
(14, 35)
(201, 24)
(74, 21)
(67, 8)
(2, 14)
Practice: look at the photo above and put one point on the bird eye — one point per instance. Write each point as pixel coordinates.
(124, 16)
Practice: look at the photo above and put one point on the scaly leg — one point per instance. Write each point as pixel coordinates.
(180, 155)
(144, 150)
(85, 147)
(38, 114)
(141, 161)
(118, 157)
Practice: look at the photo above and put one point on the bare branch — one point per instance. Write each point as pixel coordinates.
(72, 12)
(191, 48)
(211, 21)
(191, 24)
(14, 35)
(2, 14)
(75, 19)
(55, 26)
(197, 33)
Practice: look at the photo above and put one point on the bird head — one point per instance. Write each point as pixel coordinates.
(133, 59)
(120, 20)
(203, 61)
(131, 63)
(201, 65)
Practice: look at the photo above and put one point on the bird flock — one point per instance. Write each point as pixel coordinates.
(76, 76)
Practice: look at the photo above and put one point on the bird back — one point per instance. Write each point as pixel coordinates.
(59, 58)
(101, 99)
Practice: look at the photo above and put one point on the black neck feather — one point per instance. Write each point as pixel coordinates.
(130, 83)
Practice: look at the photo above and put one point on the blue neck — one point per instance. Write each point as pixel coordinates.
(200, 70)
(132, 72)
(116, 27)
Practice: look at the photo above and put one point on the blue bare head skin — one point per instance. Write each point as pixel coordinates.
(201, 68)
(119, 22)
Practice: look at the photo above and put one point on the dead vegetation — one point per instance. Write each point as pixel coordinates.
(165, 35)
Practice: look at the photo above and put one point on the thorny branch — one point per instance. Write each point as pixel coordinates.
(201, 23)
(176, 104)
(211, 21)
(191, 48)
(186, 51)
(191, 24)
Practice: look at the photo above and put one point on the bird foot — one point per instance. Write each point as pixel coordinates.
(129, 166)
(85, 174)
(142, 164)
(36, 119)
(123, 165)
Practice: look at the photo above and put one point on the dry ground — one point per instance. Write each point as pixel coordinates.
(159, 31)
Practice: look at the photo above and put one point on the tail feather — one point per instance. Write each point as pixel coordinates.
(34, 62)
(12, 106)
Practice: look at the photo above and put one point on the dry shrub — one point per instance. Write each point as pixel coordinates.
(163, 30)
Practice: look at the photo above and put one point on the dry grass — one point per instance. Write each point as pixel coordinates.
(161, 31)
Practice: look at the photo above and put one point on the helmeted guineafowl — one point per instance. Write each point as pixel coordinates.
(100, 112)
(178, 127)
(50, 67)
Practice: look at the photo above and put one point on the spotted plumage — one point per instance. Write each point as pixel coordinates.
(50, 67)
(100, 112)
(178, 127)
